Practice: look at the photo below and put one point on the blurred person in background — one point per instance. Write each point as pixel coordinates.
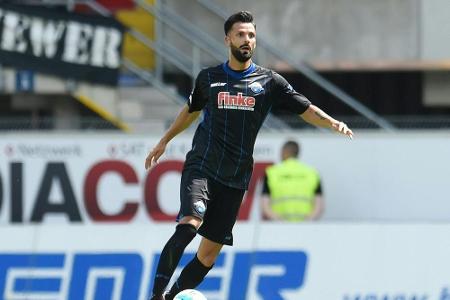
(292, 189)
(235, 97)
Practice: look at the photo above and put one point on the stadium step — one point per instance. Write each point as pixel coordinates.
(146, 108)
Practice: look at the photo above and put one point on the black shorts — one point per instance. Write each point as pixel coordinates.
(216, 204)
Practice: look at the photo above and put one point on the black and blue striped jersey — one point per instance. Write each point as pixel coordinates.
(235, 105)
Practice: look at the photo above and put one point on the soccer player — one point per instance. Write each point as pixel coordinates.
(235, 98)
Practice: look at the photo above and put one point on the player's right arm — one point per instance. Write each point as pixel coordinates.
(188, 114)
(182, 121)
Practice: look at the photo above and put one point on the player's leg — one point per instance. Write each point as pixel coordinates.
(216, 230)
(208, 251)
(172, 252)
(194, 196)
(196, 270)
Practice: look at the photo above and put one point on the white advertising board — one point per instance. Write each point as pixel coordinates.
(92, 178)
(96, 179)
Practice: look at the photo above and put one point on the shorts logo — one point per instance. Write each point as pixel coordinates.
(240, 102)
(256, 87)
(200, 207)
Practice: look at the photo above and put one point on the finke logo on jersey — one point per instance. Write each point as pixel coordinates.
(240, 102)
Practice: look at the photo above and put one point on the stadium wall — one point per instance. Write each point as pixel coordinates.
(325, 30)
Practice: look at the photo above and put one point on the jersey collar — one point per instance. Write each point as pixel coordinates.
(238, 75)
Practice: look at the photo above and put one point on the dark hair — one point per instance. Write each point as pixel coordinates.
(239, 17)
(292, 147)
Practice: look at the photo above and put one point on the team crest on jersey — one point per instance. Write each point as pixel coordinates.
(256, 87)
(239, 101)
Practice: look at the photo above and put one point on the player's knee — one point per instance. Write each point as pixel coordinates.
(194, 221)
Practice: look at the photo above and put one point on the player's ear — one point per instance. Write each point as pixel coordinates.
(227, 40)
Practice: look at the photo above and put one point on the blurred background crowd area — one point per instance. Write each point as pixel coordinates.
(378, 65)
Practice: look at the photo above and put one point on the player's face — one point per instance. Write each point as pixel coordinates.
(242, 41)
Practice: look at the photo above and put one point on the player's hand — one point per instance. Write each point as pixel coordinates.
(342, 128)
(154, 155)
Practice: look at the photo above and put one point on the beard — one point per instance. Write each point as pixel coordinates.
(241, 55)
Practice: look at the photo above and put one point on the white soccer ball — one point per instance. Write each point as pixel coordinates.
(189, 295)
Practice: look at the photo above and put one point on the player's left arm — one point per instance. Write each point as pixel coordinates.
(317, 117)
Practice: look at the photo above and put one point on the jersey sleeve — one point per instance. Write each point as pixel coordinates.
(198, 98)
(286, 98)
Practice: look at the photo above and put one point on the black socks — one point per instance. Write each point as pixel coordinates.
(170, 256)
(191, 276)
